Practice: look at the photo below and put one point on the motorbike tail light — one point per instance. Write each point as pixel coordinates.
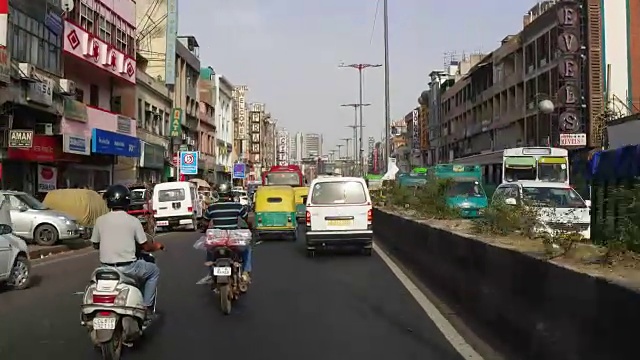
(369, 216)
(190, 209)
(308, 218)
(104, 299)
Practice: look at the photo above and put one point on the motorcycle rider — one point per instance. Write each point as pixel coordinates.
(227, 214)
(118, 236)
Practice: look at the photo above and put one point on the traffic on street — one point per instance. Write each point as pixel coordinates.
(336, 306)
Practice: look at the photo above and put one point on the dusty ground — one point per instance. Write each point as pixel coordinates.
(582, 257)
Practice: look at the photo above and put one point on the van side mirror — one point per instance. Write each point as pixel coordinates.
(510, 201)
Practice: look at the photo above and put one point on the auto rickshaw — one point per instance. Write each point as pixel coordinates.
(301, 194)
(275, 212)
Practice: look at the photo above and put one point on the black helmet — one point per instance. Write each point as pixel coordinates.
(118, 197)
(224, 189)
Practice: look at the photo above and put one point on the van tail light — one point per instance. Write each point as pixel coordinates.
(308, 218)
(190, 209)
(369, 216)
(104, 299)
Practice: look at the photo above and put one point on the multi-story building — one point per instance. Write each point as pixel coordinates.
(224, 127)
(153, 120)
(32, 100)
(282, 147)
(295, 147)
(312, 145)
(100, 71)
(495, 106)
(207, 125)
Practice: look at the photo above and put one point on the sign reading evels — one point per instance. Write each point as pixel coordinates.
(87, 46)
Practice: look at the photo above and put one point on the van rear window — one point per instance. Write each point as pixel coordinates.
(274, 200)
(171, 195)
(338, 192)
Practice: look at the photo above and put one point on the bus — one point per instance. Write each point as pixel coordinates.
(283, 175)
(535, 163)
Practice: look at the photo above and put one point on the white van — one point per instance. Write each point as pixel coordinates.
(176, 204)
(339, 212)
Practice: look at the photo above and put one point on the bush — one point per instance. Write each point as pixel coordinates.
(502, 219)
(428, 201)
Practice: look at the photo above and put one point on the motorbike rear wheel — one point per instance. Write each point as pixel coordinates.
(112, 349)
(225, 298)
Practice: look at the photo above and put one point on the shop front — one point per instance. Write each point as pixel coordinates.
(151, 167)
(29, 164)
(125, 150)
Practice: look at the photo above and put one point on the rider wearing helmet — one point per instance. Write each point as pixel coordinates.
(119, 235)
(226, 214)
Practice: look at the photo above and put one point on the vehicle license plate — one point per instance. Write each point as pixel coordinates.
(339, 222)
(104, 323)
(162, 223)
(222, 271)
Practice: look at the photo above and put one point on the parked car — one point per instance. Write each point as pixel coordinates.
(15, 265)
(35, 222)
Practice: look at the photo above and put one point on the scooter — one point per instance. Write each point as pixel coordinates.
(113, 310)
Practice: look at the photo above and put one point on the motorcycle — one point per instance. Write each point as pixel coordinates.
(226, 246)
(112, 309)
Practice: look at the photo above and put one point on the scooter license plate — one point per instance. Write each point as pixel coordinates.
(222, 271)
(162, 223)
(104, 323)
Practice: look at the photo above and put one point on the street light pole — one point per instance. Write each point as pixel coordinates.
(355, 127)
(347, 145)
(387, 102)
(360, 68)
(339, 146)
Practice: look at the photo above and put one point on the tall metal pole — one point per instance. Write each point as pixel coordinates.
(339, 153)
(387, 102)
(360, 147)
(347, 145)
(355, 127)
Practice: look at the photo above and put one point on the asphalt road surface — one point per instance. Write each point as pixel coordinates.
(331, 307)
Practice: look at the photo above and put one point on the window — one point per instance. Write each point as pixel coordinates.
(32, 42)
(105, 30)
(121, 40)
(171, 195)
(80, 95)
(140, 112)
(338, 192)
(87, 15)
(94, 95)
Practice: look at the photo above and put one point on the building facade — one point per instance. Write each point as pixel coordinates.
(207, 124)
(154, 106)
(312, 145)
(283, 142)
(223, 105)
(268, 146)
(296, 147)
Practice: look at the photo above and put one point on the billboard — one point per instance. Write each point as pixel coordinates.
(171, 38)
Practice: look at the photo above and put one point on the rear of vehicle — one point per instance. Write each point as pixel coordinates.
(139, 203)
(301, 199)
(465, 192)
(339, 213)
(275, 212)
(174, 204)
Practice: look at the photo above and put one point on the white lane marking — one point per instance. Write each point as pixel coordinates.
(70, 257)
(205, 280)
(445, 327)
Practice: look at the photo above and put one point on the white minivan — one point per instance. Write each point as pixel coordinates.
(339, 213)
(176, 204)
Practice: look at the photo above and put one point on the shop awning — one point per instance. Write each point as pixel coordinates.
(520, 162)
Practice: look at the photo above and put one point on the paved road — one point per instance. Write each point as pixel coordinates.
(333, 307)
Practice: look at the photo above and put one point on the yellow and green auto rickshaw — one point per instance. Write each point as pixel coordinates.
(301, 194)
(275, 212)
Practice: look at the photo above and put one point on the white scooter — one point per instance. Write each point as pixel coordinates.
(113, 310)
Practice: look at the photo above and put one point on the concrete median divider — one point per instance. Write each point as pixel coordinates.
(37, 251)
(536, 308)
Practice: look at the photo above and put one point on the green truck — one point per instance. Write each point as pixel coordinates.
(466, 192)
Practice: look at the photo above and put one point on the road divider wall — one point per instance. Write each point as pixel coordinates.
(539, 309)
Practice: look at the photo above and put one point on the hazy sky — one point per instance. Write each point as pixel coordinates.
(288, 51)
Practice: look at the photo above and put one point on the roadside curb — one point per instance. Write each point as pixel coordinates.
(43, 251)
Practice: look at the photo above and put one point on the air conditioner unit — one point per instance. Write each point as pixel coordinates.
(44, 129)
(67, 87)
(27, 71)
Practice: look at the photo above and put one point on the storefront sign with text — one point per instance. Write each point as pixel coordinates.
(84, 45)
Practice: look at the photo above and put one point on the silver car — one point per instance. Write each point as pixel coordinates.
(15, 266)
(35, 222)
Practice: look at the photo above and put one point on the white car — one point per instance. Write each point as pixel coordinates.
(562, 209)
(339, 212)
(15, 265)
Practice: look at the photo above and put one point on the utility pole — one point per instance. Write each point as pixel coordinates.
(360, 68)
(355, 126)
(347, 141)
(387, 102)
(339, 146)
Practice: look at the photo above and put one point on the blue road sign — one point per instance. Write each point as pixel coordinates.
(189, 162)
(239, 171)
